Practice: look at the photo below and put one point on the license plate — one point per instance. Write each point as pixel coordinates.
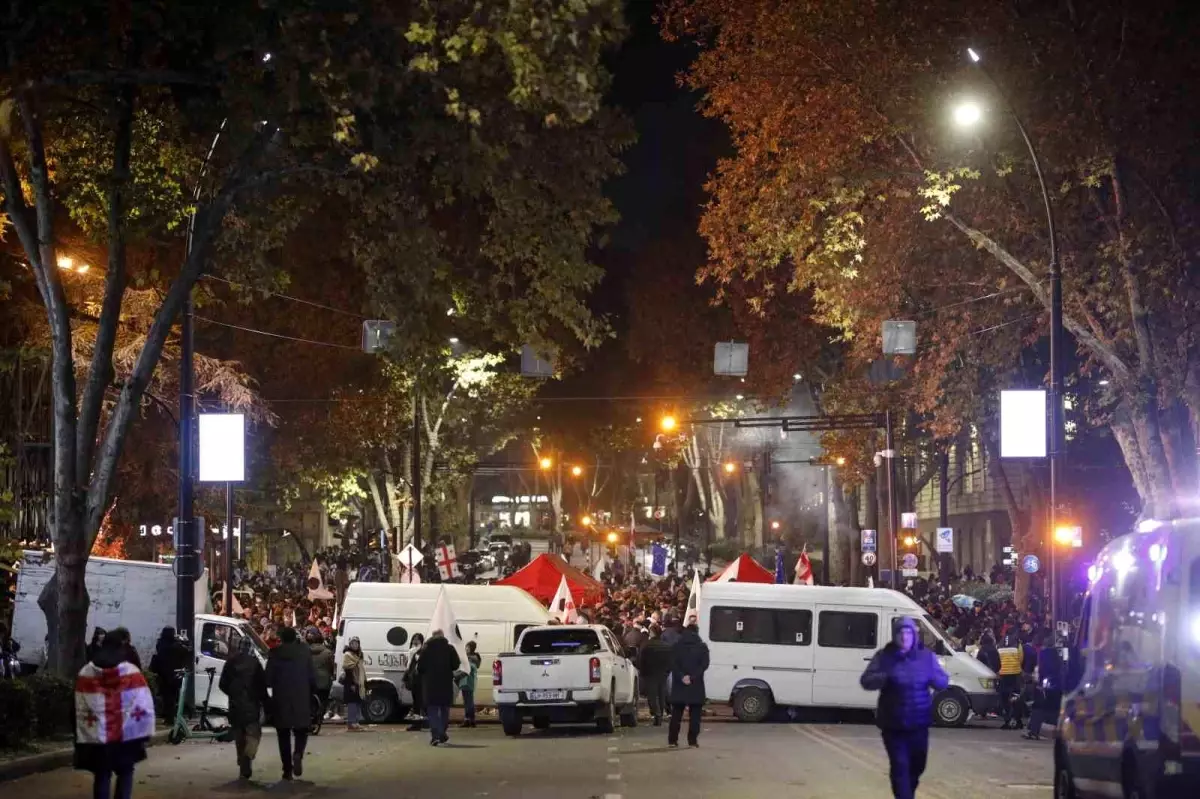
(546, 696)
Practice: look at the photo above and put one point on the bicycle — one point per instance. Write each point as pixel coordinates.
(317, 716)
(183, 728)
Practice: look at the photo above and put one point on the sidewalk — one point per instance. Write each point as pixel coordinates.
(60, 756)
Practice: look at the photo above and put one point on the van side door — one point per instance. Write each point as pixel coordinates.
(847, 638)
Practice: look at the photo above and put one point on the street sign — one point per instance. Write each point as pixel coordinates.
(945, 539)
(908, 521)
(411, 557)
(899, 337)
(868, 558)
(909, 561)
(731, 358)
(1030, 564)
(868, 540)
(909, 573)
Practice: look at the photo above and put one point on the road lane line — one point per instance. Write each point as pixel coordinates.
(614, 760)
(862, 759)
(614, 777)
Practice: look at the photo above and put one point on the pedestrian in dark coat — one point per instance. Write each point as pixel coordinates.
(654, 664)
(689, 661)
(904, 672)
(1048, 692)
(323, 662)
(169, 657)
(244, 681)
(439, 662)
(293, 681)
(413, 682)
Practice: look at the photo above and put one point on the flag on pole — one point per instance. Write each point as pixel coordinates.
(780, 571)
(658, 561)
(316, 585)
(238, 610)
(804, 574)
(693, 605)
(447, 562)
(562, 606)
(295, 621)
(601, 565)
(336, 616)
(443, 619)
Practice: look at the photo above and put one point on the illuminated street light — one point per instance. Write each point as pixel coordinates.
(577, 471)
(587, 521)
(730, 467)
(65, 262)
(841, 461)
(546, 463)
(775, 525)
(797, 377)
(909, 541)
(668, 423)
(967, 114)
(1064, 535)
(612, 538)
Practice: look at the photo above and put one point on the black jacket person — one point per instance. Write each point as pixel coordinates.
(244, 681)
(689, 661)
(293, 682)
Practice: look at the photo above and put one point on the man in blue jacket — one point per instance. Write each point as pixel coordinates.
(904, 672)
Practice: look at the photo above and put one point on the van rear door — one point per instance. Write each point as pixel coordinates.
(847, 638)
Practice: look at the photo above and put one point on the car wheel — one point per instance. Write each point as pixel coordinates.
(379, 706)
(752, 704)
(950, 709)
(607, 722)
(541, 723)
(1064, 781)
(510, 720)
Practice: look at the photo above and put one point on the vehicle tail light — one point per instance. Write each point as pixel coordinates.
(594, 670)
(497, 673)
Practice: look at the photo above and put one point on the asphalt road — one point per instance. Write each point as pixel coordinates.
(816, 761)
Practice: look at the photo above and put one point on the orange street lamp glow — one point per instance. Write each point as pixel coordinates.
(668, 423)
(612, 538)
(730, 467)
(577, 471)
(841, 461)
(546, 463)
(774, 525)
(587, 521)
(1064, 535)
(909, 540)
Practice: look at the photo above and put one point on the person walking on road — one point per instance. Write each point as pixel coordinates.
(904, 673)
(354, 683)
(324, 665)
(292, 679)
(689, 661)
(114, 718)
(1048, 693)
(439, 662)
(654, 665)
(466, 684)
(245, 683)
(170, 655)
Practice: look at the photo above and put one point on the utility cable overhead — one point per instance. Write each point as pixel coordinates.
(309, 303)
(279, 335)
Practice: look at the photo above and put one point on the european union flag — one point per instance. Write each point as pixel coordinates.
(658, 563)
(780, 569)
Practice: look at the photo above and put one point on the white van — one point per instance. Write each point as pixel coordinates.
(1130, 722)
(385, 616)
(798, 645)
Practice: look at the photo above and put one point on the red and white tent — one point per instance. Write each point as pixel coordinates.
(744, 570)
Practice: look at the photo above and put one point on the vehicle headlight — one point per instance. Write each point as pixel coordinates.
(987, 683)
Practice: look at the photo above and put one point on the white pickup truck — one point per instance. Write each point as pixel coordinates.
(565, 674)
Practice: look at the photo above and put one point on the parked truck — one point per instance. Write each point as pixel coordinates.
(565, 674)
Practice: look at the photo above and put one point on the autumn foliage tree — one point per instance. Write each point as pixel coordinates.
(850, 182)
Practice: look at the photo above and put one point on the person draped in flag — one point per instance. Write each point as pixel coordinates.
(114, 718)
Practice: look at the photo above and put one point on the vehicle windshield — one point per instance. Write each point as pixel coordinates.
(950, 640)
(259, 644)
(564, 641)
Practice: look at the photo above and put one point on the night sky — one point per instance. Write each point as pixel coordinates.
(659, 197)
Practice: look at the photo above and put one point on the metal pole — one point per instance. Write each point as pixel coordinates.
(1056, 335)
(228, 549)
(889, 447)
(416, 472)
(763, 523)
(471, 512)
(825, 530)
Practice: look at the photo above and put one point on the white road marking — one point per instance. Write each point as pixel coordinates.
(614, 760)
(614, 777)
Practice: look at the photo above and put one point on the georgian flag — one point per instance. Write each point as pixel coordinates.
(563, 605)
(804, 574)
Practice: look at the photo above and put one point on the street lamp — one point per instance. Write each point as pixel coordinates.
(587, 521)
(576, 471)
(668, 423)
(968, 114)
(840, 461)
(730, 467)
(1056, 322)
(775, 525)
(545, 463)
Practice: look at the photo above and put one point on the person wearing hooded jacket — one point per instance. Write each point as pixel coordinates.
(905, 673)
(689, 661)
(323, 664)
(354, 680)
(244, 681)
